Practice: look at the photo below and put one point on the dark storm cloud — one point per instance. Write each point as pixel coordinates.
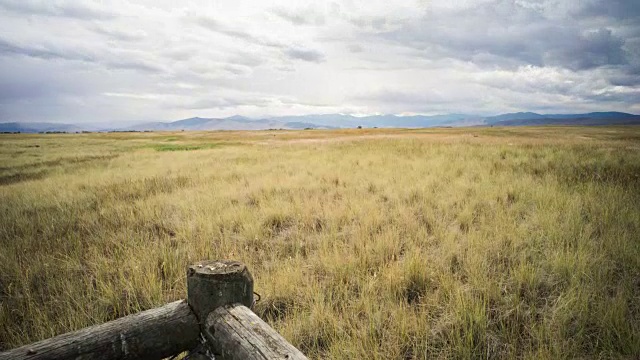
(513, 32)
(619, 9)
(625, 80)
(586, 51)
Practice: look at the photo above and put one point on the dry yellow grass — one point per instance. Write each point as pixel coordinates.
(382, 244)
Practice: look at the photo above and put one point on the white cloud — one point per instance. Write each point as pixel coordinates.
(158, 59)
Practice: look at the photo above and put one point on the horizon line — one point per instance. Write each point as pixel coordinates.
(355, 115)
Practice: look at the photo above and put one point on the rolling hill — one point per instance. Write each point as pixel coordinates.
(328, 121)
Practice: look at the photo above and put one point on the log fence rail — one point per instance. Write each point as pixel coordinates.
(216, 315)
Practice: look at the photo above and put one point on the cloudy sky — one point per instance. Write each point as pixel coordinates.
(117, 60)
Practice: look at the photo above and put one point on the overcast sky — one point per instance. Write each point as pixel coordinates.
(95, 61)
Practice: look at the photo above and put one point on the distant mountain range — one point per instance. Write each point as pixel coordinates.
(330, 121)
(231, 123)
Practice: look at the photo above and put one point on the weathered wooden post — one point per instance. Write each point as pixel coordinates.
(220, 294)
(212, 284)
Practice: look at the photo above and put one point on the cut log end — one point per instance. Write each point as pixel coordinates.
(216, 267)
(212, 284)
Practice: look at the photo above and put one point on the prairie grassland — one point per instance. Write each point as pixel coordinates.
(364, 244)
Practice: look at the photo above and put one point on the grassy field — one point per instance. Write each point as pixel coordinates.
(364, 244)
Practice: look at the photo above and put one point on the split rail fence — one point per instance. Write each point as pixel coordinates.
(214, 322)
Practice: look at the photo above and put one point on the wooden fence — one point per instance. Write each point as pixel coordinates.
(215, 322)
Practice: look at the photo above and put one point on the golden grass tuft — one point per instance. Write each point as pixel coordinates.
(371, 243)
